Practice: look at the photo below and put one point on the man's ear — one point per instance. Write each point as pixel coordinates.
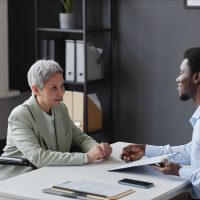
(35, 90)
(197, 78)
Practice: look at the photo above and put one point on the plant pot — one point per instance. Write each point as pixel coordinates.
(67, 20)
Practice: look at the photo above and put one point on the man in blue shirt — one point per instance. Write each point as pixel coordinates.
(188, 86)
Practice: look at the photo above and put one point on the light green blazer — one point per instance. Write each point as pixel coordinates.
(28, 137)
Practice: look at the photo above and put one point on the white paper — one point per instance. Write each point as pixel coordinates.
(91, 187)
(143, 161)
(94, 98)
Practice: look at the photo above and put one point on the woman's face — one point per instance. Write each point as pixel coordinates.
(52, 93)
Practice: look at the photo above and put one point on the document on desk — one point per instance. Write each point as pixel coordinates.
(143, 161)
(92, 190)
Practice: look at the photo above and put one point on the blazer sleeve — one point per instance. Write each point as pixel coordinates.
(79, 138)
(21, 129)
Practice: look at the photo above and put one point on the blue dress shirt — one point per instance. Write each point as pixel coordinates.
(189, 155)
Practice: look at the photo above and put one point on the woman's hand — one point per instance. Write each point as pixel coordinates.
(99, 152)
(133, 152)
(106, 148)
(95, 153)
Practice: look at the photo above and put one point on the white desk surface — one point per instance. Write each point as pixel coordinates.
(29, 186)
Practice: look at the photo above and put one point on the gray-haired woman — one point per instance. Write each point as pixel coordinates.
(41, 130)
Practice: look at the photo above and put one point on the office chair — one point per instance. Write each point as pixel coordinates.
(5, 160)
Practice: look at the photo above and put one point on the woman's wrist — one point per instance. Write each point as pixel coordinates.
(85, 158)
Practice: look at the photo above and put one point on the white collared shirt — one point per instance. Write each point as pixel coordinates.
(51, 127)
(189, 155)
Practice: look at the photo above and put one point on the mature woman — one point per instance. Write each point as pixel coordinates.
(41, 130)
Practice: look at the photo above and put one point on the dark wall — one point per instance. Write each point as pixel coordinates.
(149, 40)
(21, 24)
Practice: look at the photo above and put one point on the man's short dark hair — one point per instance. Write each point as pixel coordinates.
(193, 56)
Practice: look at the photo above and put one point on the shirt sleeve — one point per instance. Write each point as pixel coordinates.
(193, 176)
(182, 158)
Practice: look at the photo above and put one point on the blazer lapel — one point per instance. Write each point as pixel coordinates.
(59, 127)
(39, 120)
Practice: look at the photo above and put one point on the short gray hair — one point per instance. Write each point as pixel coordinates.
(41, 71)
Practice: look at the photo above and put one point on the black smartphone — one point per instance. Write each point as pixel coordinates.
(135, 183)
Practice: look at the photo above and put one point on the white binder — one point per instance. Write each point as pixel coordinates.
(80, 61)
(94, 69)
(70, 60)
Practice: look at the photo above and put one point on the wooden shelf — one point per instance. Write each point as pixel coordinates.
(60, 30)
(42, 29)
(88, 82)
(93, 24)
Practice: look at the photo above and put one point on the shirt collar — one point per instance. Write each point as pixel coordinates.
(195, 116)
(50, 117)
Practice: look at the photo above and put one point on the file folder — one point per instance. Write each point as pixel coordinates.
(92, 190)
(78, 109)
(70, 60)
(95, 113)
(68, 101)
(51, 49)
(94, 69)
(75, 104)
(80, 61)
(43, 50)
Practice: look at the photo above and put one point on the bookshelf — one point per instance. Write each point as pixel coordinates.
(92, 24)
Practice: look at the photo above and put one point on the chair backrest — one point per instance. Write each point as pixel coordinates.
(2, 145)
(13, 160)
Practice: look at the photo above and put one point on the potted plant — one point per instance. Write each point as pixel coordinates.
(67, 18)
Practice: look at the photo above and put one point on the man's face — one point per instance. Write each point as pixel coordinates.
(185, 82)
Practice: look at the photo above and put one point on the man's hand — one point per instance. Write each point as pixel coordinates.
(133, 152)
(169, 168)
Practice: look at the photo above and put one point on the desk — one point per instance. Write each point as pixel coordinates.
(28, 186)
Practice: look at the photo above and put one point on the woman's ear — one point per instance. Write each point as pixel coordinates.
(35, 90)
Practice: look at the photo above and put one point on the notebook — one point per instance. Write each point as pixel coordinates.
(90, 190)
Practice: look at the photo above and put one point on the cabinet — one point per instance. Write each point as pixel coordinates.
(92, 24)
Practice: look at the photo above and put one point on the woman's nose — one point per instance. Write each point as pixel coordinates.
(61, 92)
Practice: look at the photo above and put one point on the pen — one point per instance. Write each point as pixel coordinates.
(70, 195)
(172, 155)
(161, 164)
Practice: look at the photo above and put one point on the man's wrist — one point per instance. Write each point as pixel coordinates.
(144, 147)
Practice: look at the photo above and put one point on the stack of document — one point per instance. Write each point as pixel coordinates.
(89, 190)
(144, 161)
